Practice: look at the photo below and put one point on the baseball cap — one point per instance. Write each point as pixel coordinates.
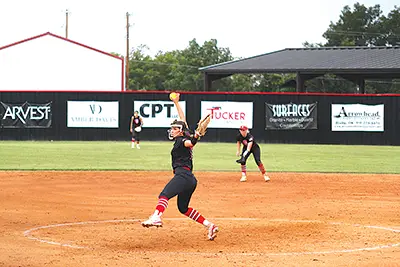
(243, 128)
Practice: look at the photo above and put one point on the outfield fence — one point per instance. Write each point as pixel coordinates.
(272, 117)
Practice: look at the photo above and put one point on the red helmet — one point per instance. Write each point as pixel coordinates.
(243, 128)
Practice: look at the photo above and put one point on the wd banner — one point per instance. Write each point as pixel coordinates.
(92, 114)
(291, 116)
(26, 115)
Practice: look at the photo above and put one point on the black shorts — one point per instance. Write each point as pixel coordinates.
(136, 135)
(183, 184)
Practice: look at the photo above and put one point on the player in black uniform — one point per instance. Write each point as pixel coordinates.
(135, 128)
(184, 183)
(249, 147)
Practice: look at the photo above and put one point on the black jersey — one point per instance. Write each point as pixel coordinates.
(181, 156)
(136, 122)
(247, 139)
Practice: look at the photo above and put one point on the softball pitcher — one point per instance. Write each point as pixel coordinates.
(184, 183)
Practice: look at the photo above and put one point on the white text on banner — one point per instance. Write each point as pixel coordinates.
(92, 114)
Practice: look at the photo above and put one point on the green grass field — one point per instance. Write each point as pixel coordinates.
(30, 155)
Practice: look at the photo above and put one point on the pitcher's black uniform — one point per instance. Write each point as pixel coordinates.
(183, 183)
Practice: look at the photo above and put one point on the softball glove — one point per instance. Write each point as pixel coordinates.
(202, 125)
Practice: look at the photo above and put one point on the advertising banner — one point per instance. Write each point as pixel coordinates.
(291, 116)
(357, 117)
(226, 114)
(92, 114)
(157, 114)
(26, 115)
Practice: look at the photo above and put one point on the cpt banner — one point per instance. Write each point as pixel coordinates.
(290, 116)
(228, 114)
(92, 114)
(26, 115)
(357, 118)
(158, 114)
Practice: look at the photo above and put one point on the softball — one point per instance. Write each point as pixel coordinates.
(172, 96)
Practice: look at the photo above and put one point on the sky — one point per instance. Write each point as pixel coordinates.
(247, 28)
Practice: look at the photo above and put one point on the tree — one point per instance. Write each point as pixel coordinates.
(141, 70)
(391, 26)
(359, 27)
(178, 69)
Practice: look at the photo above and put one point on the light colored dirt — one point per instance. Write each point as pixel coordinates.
(294, 220)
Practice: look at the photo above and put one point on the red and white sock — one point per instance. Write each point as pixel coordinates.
(243, 170)
(261, 168)
(197, 217)
(161, 206)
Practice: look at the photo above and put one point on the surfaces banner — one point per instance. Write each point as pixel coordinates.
(357, 117)
(291, 116)
(92, 114)
(228, 114)
(26, 115)
(158, 114)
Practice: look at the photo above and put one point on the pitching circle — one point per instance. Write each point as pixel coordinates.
(28, 234)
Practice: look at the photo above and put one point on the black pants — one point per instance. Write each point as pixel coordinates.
(256, 151)
(135, 135)
(182, 184)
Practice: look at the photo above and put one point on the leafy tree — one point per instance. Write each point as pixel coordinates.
(176, 70)
(141, 70)
(359, 27)
(391, 26)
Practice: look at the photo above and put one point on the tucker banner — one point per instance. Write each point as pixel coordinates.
(228, 114)
(26, 115)
(291, 116)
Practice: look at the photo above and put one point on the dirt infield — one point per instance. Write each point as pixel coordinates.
(93, 219)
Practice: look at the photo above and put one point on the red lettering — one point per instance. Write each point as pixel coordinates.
(217, 114)
(212, 111)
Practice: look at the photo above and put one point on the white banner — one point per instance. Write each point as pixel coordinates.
(93, 114)
(357, 117)
(158, 114)
(228, 114)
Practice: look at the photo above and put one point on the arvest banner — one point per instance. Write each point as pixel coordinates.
(291, 116)
(25, 115)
